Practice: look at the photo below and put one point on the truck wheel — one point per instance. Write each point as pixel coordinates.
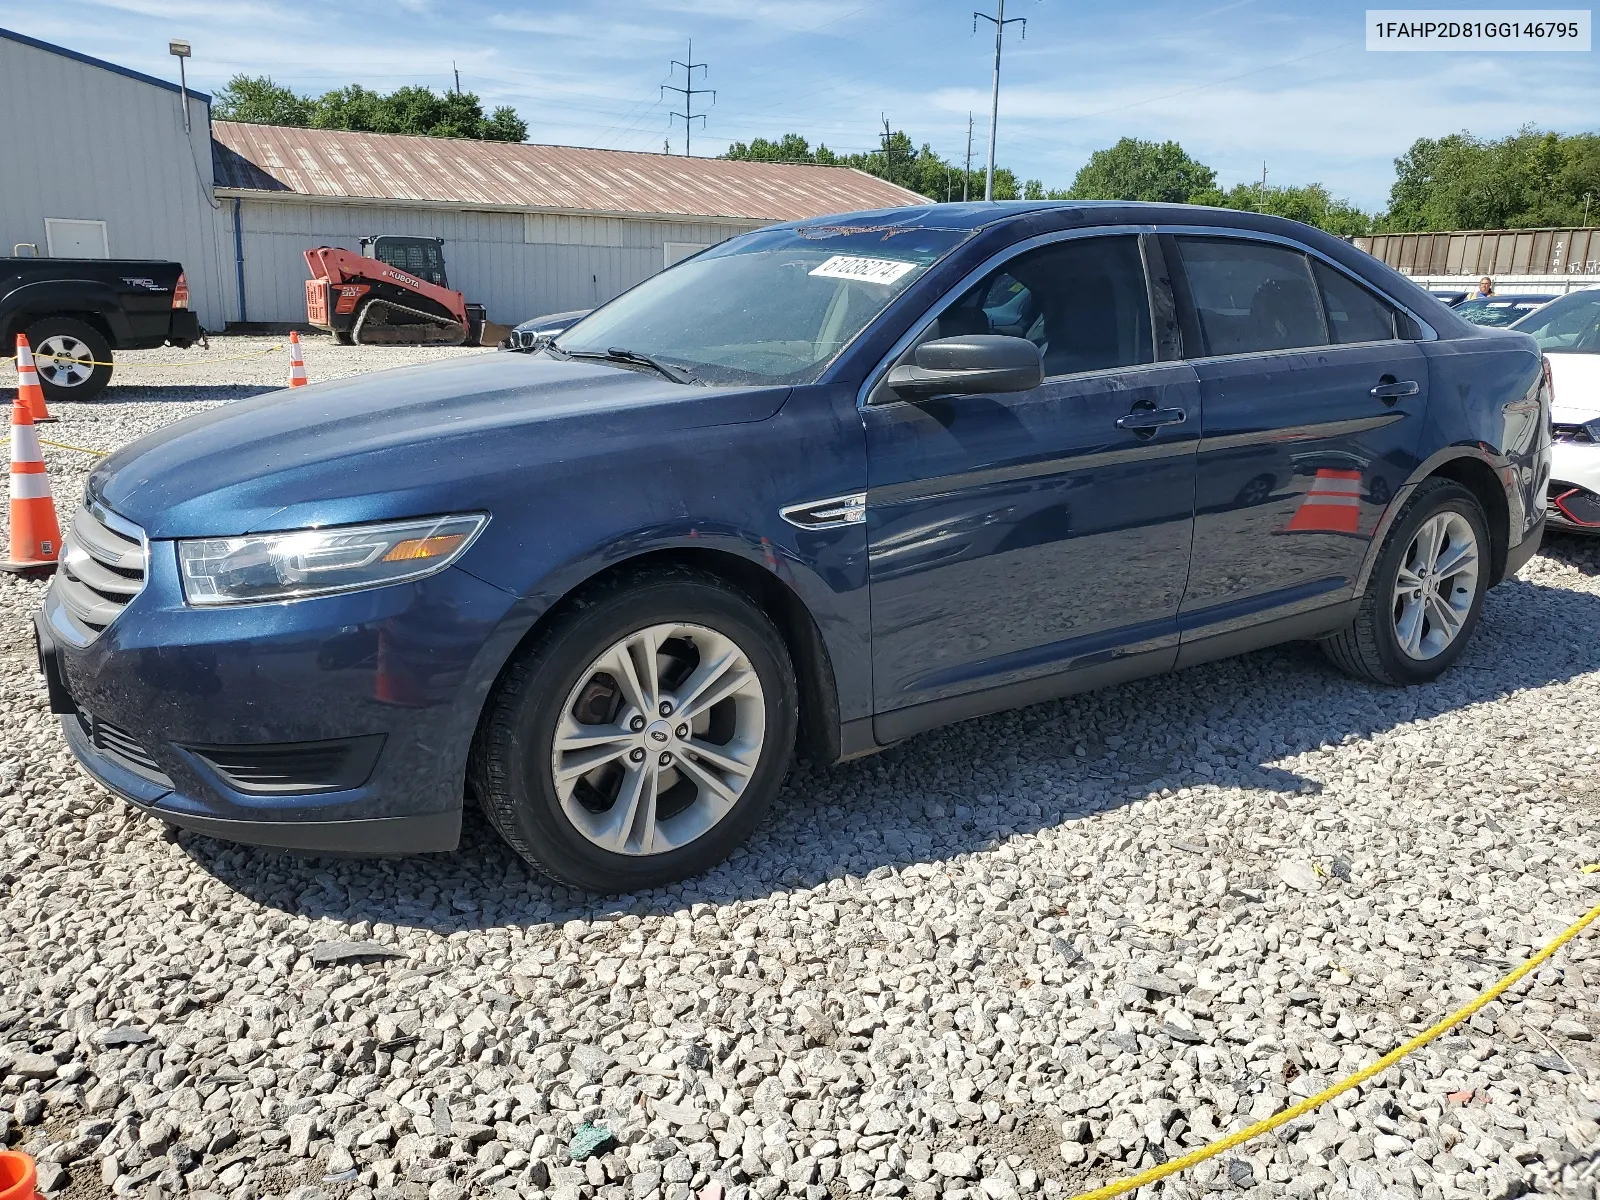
(73, 358)
(1426, 591)
(640, 739)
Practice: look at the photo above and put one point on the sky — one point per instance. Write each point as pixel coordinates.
(1238, 83)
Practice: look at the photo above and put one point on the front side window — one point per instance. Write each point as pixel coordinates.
(770, 307)
(1570, 325)
(1354, 314)
(1083, 302)
(1250, 297)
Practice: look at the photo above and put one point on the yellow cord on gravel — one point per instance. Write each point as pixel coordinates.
(128, 366)
(1195, 1157)
(79, 449)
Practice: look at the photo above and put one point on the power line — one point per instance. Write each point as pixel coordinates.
(688, 91)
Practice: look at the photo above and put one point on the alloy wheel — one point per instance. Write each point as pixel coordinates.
(64, 360)
(1436, 585)
(658, 739)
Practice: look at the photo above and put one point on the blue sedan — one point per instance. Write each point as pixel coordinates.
(817, 489)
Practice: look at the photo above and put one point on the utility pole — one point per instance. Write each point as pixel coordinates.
(1587, 196)
(888, 153)
(966, 167)
(457, 71)
(688, 91)
(1261, 199)
(1000, 24)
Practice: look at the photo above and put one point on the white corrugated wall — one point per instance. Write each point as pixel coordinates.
(86, 143)
(517, 265)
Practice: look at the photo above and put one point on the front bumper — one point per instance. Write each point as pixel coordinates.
(1574, 491)
(176, 690)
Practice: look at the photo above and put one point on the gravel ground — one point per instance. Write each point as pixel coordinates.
(1011, 958)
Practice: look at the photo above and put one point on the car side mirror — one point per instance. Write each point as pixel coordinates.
(978, 362)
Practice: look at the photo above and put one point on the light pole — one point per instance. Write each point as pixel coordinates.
(180, 51)
(1000, 24)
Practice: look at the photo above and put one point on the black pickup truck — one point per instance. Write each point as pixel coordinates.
(75, 311)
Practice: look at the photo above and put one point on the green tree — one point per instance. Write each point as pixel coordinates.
(899, 160)
(260, 101)
(416, 110)
(1137, 170)
(1310, 203)
(1527, 179)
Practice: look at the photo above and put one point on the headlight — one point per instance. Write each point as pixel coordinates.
(315, 562)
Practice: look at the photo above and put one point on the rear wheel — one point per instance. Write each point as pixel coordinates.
(641, 738)
(73, 358)
(1426, 591)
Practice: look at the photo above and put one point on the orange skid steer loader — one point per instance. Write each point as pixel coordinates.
(394, 293)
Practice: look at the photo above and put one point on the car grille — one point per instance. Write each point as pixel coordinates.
(1571, 433)
(102, 569)
(121, 746)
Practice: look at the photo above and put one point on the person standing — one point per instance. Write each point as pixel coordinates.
(1485, 289)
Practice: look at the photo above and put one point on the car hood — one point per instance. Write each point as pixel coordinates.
(397, 442)
(1576, 378)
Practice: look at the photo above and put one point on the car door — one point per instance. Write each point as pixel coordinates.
(1312, 399)
(1016, 537)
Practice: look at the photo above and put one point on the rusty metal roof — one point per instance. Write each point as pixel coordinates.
(336, 163)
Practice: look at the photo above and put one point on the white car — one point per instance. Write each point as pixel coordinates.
(1568, 331)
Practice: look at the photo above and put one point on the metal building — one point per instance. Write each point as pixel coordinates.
(98, 165)
(528, 229)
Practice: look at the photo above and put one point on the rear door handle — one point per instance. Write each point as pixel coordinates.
(1142, 419)
(1391, 391)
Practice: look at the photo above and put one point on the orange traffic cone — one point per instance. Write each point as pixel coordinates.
(19, 1178)
(35, 535)
(28, 389)
(1333, 504)
(297, 364)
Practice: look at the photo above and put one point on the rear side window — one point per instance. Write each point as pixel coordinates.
(1083, 302)
(1251, 297)
(1354, 314)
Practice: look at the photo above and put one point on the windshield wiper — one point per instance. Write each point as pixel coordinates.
(622, 354)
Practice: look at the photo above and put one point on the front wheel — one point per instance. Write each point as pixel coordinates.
(1426, 592)
(642, 736)
(73, 358)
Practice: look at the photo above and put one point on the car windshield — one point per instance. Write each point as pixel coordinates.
(771, 307)
(1570, 325)
(1496, 312)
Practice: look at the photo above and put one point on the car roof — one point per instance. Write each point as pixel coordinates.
(982, 214)
(1519, 298)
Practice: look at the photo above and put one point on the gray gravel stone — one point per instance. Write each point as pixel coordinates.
(1015, 957)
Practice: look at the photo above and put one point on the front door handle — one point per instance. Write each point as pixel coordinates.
(1391, 390)
(1141, 420)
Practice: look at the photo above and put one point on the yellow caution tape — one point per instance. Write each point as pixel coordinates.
(79, 449)
(128, 366)
(1590, 868)
(1195, 1157)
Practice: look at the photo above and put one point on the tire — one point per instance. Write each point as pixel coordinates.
(74, 339)
(583, 832)
(1373, 647)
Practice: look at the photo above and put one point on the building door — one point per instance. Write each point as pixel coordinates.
(69, 238)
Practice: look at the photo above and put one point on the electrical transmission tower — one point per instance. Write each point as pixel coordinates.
(688, 91)
(1000, 23)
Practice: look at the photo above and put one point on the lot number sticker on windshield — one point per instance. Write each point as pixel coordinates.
(866, 270)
